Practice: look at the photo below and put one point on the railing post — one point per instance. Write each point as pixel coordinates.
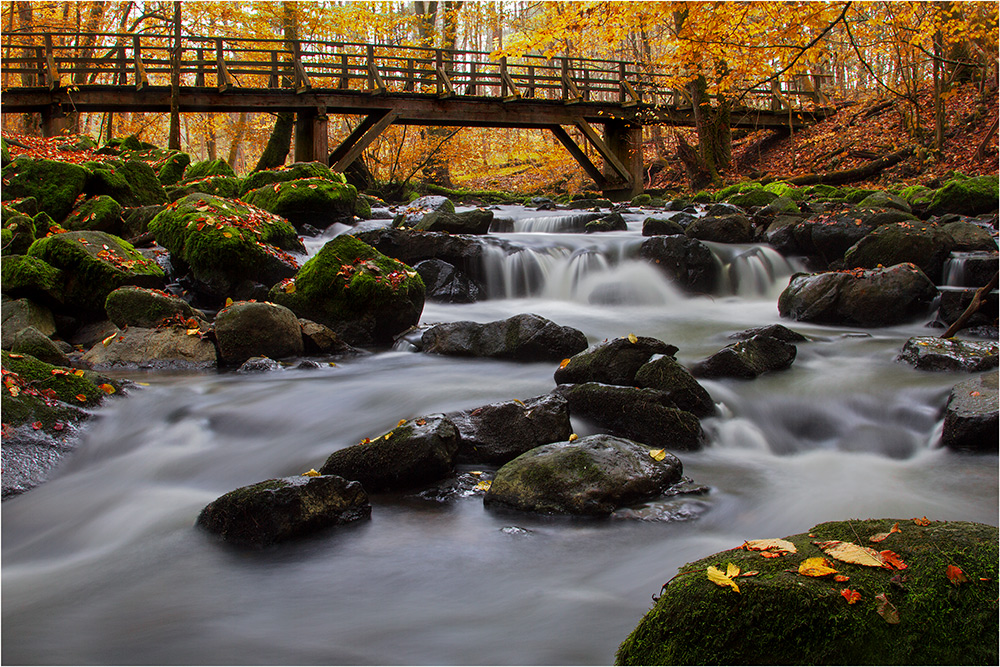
(51, 73)
(439, 65)
(122, 67)
(302, 83)
(225, 78)
(621, 82)
(531, 80)
(273, 81)
(199, 77)
(376, 85)
(345, 81)
(471, 88)
(411, 76)
(586, 83)
(503, 76)
(141, 80)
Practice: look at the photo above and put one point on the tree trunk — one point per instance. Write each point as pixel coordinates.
(234, 145)
(174, 133)
(715, 141)
(851, 175)
(277, 146)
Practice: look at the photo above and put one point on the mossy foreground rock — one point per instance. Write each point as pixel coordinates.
(281, 509)
(319, 202)
(55, 185)
(782, 617)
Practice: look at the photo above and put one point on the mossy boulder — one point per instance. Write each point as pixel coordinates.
(420, 207)
(362, 295)
(319, 202)
(781, 617)
(822, 192)
(498, 432)
(754, 197)
(54, 185)
(477, 221)
(277, 510)
(129, 182)
(783, 189)
(917, 196)
(4, 153)
(923, 244)
(33, 342)
(21, 314)
(19, 233)
(416, 452)
(94, 264)
(591, 476)
(642, 199)
(612, 362)
(99, 214)
(226, 244)
(292, 172)
(884, 200)
(63, 385)
(148, 308)
(257, 329)
(170, 169)
(227, 187)
(736, 188)
(206, 168)
(929, 353)
(966, 196)
(524, 337)
(971, 417)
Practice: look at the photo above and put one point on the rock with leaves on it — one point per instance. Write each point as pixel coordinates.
(362, 295)
(929, 353)
(101, 214)
(525, 337)
(226, 244)
(19, 232)
(971, 415)
(940, 608)
(148, 308)
(281, 509)
(418, 208)
(924, 244)
(207, 168)
(170, 168)
(590, 476)
(129, 182)
(319, 202)
(747, 359)
(476, 221)
(54, 185)
(227, 187)
(498, 432)
(31, 341)
(966, 196)
(257, 329)
(612, 362)
(415, 452)
(170, 346)
(291, 172)
(94, 264)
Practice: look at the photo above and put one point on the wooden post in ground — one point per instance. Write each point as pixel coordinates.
(305, 136)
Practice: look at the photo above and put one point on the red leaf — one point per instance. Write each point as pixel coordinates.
(850, 596)
(36, 425)
(892, 559)
(955, 575)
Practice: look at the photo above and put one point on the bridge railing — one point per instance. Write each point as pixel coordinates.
(57, 60)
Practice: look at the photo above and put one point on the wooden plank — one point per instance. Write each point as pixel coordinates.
(634, 98)
(508, 87)
(445, 88)
(357, 133)
(364, 141)
(570, 93)
(141, 80)
(226, 81)
(51, 72)
(602, 148)
(376, 85)
(578, 154)
(302, 82)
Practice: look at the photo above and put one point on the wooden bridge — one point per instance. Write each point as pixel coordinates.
(53, 74)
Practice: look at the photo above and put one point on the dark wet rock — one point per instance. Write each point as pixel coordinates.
(418, 208)
(646, 415)
(592, 476)
(734, 228)
(661, 227)
(830, 235)
(687, 262)
(259, 365)
(970, 419)
(320, 339)
(774, 331)
(747, 359)
(722, 209)
(873, 297)
(411, 247)
(612, 362)
(257, 329)
(419, 451)
(281, 509)
(447, 284)
(135, 221)
(525, 337)
(775, 615)
(498, 432)
(21, 314)
(954, 302)
(929, 353)
(967, 236)
(609, 223)
(920, 243)
(682, 389)
(32, 341)
(476, 222)
(147, 308)
(168, 347)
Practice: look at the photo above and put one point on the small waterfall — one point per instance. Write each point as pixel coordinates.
(969, 269)
(552, 224)
(752, 271)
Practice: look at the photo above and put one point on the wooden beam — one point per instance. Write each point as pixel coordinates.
(578, 154)
(51, 72)
(302, 82)
(376, 86)
(634, 98)
(362, 142)
(602, 148)
(226, 81)
(509, 90)
(570, 93)
(445, 88)
(141, 80)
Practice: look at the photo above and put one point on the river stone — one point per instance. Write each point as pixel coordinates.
(747, 359)
(967, 236)
(612, 362)
(929, 353)
(21, 314)
(591, 476)
(780, 616)
(161, 348)
(869, 298)
(970, 419)
(32, 341)
(447, 284)
(686, 262)
(734, 228)
(319, 202)
(920, 243)
(129, 182)
(661, 227)
(778, 331)
(138, 307)
(967, 196)
(498, 432)
(258, 365)
(955, 300)
(830, 235)
(416, 452)
(320, 339)
(525, 337)
(291, 172)
(609, 223)
(418, 208)
(411, 247)
(281, 509)
(477, 222)
(257, 329)
(646, 415)
(667, 375)
(101, 214)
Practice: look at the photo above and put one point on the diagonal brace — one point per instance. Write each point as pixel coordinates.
(602, 148)
(363, 135)
(578, 154)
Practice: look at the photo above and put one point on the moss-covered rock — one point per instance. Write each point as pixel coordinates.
(822, 192)
(171, 168)
(227, 187)
(736, 188)
(781, 617)
(783, 189)
(292, 172)
(62, 385)
(967, 196)
(315, 201)
(920, 243)
(612, 362)
(33, 342)
(225, 243)
(420, 207)
(753, 197)
(4, 153)
(661, 227)
(609, 223)
(364, 296)
(148, 308)
(129, 182)
(917, 196)
(100, 214)
(205, 168)
(477, 221)
(94, 264)
(642, 199)
(19, 233)
(55, 185)
(883, 200)
(732, 228)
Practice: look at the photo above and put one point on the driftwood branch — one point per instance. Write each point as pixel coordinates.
(851, 175)
(981, 151)
(977, 301)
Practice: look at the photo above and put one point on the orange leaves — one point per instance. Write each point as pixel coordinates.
(881, 536)
(564, 363)
(849, 552)
(850, 596)
(922, 522)
(106, 388)
(886, 609)
(816, 567)
(955, 575)
(892, 560)
(770, 548)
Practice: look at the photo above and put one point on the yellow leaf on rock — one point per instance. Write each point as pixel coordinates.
(564, 363)
(732, 570)
(573, 437)
(816, 567)
(483, 485)
(229, 302)
(770, 545)
(310, 473)
(107, 341)
(658, 454)
(849, 552)
(106, 388)
(717, 577)
(401, 422)
(632, 338)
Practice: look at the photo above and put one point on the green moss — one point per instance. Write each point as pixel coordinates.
(783, 189)
(100, 213)
(753, 197)
(306, 199)
(736, 188)
(55, 185)
(781, 617)
(967, 196)
(821, 191)
(207, 168)
(468, 195)
(917, 195)
(67, 386)
(293, 172)
(227, 187)
(171, 169)
(642, 199)
(4, 153)
(19, 234)
(702, 197)
(28, 276)
(129, 182)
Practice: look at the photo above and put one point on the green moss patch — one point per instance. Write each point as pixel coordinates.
(55, 185)
(207, 168)
(967, 196)
(292, 172)
(316, 201)
(25, 276)
(100, 213)
(129, 182)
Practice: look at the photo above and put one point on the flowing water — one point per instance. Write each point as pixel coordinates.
(102, 564)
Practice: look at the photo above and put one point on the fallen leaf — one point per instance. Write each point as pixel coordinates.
(770, 545)
(658, 454)
(632, 338)
(36, 425)
(78, 372)
(841, 578)
(310, 473)
(816, 567)
(58, 426)
(106, 388)
(81, 397)
(732, 570)
(772, 554)
(421, 422)
(955, 575)
(922, 522)
(229, 302)
(892, 559)
(886, 609)
(564, 363)
(401, 422)
(751, 573)
(483, 485)
(107, 341)
(573, 437)
(194, 331)
(717, 577)
(850, 596)
(21, 356)
(289, 288)
(881, 536)
(849, 552)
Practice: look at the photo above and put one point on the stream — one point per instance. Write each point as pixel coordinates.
(103, 565)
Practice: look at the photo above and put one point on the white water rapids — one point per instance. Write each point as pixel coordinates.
(103, 565)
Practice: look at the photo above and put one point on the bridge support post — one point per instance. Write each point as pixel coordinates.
(311, 136)
(55, 121)
(624, 140)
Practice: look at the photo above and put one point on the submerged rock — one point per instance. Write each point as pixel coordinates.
(525, 337)
(747, 359)
(779, 616)
(929, 353)
(970, 419)
(281, 509)
(591, 476)
(687, 262)
(498, 432)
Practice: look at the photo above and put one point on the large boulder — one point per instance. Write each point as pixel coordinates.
(609, 223)
(226, 244)
(966, 196)
(147, 308)
(646, 415)
(871, 298)
(830, 235)
(362, 295)
(94, 264)
(54, 185)
(682, 389)
(22, 276)
(170, 168)
(101, 213)
(280, 509)
(411, 247)
(206, 168)
(687, 262)
(227, 187)
(129, 182)
(525, 337)
(970, 417)
(929, 353)
(418, 451)
(418, 208)
(291, 172)
(612, 362)
(917, 616)
(477, 221)
(498, 432)
(661, 227)
(447, 284)
(33, 342)
(734, 228)
(257, 329)
(319, 202)
(591, 476)
(174, 346)
(923, 244)
(747, 359)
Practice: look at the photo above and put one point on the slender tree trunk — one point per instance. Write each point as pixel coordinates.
(280, 140)
(174, 134)
(234, 145)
